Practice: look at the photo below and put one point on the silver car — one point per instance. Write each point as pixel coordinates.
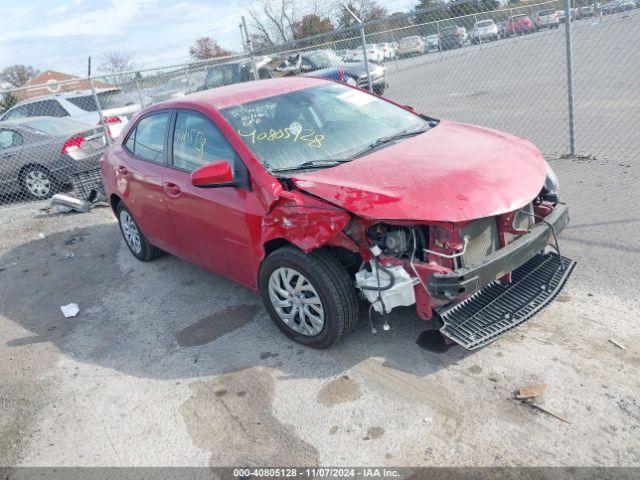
(413, 45)
(116, 108)
(484, 31)
(40, 154)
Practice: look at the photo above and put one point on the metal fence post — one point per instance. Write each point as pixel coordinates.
(97, 100)
(439, 38)
(366, 59)
(569, 52)
(475, 23)
(186, 75)
(254, 69)
(139, 93)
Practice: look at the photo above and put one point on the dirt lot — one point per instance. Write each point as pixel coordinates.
(167, 364)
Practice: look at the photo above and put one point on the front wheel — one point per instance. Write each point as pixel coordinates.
(309, 296)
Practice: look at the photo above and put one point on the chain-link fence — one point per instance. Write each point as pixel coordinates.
(513, 68)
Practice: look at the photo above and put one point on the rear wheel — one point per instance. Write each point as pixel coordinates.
(38, 183)
(310, 297)
(134, 238)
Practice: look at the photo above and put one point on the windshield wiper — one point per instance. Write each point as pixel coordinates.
(384, 140)
(309, 164)
(396, 136)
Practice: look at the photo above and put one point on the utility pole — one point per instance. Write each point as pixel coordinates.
(364, 46)
(250, 46)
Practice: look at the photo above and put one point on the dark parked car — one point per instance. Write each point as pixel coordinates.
(326, 64)
(453, 37)
(39, 154)
(230, 73)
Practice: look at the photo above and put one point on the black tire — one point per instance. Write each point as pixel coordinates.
(332, 283)
(38, 183)
(146, 252)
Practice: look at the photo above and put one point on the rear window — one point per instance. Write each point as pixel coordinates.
(515, 18)
(55, 126)
(485, 23)
(449, 29)
(108, 100)
(543, 13)
(409, 40)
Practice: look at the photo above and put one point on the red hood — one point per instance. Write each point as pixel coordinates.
(453, 173)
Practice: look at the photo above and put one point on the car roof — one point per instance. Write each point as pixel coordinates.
(237, 93)
(53, 96)
(22, 122)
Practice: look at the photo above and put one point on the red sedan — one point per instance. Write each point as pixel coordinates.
(317, 193)
(519, 25)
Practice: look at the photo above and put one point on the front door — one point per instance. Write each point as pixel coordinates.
(214, 225)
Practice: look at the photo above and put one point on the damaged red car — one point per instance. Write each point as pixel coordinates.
(322, 197)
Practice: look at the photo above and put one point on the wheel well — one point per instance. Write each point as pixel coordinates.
(29, 165)
(114, 200)
(275, 244)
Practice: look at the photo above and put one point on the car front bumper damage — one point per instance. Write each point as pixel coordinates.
(494, 308)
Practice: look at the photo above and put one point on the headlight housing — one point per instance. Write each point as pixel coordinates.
(551, 183)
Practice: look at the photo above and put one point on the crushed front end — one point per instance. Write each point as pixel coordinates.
(481, 278)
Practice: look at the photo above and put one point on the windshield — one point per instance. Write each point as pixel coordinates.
(108, 100)
(485, 23)
(515, 18)
(323, 58)
(55, 126)
(543, 13)
(328, 122)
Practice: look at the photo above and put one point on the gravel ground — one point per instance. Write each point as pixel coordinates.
(167, 364)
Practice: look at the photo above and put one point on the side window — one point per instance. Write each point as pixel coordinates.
(9, 138)
(21, 111)
(47, 108)
(197, 141)
(147, 139)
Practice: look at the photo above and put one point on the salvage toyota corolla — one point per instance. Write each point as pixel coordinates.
(316, 193)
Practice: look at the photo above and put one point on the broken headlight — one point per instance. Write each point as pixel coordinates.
(551, 183)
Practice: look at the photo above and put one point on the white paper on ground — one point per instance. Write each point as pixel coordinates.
(70, 310)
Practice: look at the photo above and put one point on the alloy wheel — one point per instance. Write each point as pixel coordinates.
(130, 232)
(296, 301)
(38, 183)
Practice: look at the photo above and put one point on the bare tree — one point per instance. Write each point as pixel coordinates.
(17, 75)
(366, 10)
(206, 47)
(117, 60)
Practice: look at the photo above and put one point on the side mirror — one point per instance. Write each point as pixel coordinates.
(216, 174)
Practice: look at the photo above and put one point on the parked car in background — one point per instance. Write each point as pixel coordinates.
(413, 45)
(178, 86)
(519, 25)
(374, 54)
(547, 19)
(40, 154)
(80, 106)
(453, 37)
(502, 29)
(388, 50)
(585, 12)
(326, 64)
(484, 31)
(230, 73)
(313, 193)
(342, 54)
(432, 42)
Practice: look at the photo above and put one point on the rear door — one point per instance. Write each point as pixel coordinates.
(213, 224)
(139, 165)
(10, 147)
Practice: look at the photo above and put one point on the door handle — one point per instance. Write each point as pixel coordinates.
(171, 189)
(122, 169)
